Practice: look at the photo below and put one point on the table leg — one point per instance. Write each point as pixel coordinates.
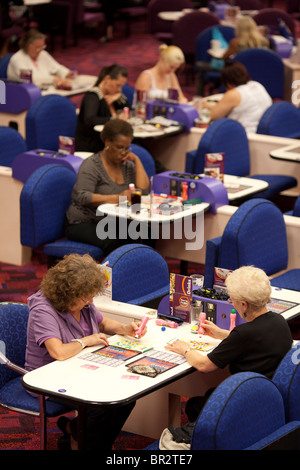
(81, 427)
(174, 404)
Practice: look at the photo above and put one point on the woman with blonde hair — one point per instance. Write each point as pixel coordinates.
(157, 80)
(247, 36)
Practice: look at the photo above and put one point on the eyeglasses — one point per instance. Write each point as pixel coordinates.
(122, 149)
(87, 301)
(39, 48)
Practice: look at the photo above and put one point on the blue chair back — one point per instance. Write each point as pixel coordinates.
(263, 65)
(12, 144)
(43, 202)
(281, 119)
(287, 380)
(4, 64)
(228, 136)
(139, 274)
(242, 410)
(248, 238)
(146, 159)
(203, 41)
(128, 91)
(13, 334)
(48, 118)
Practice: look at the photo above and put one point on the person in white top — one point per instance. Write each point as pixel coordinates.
(157, 80)
(245, 100)
(32, 56)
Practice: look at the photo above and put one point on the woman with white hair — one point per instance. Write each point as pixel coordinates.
(258, 345)
(157, 80)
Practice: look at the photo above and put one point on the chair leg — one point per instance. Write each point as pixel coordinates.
(43, 423)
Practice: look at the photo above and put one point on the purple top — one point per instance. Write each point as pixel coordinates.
(46, 322)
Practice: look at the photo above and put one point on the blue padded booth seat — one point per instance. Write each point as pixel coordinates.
(44, 200)
(12, 144)
(246, 411)
(139, 274)
(281, 119)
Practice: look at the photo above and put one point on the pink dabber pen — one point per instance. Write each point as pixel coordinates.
(202, 318)
(232, 319)
(142, 326)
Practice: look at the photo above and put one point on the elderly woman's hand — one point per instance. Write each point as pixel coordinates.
(93, 340)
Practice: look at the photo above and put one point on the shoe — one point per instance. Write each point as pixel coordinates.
(62, 424)
(64, 443)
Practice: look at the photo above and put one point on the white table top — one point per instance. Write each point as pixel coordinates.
(289, 153)
(240, 187)
(82, 84)
(35, 2)
(148, 130)
(289, 296)
(89, 382)
(146, 215)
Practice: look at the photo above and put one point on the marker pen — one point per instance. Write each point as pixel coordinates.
(142, 326)
(202, 318)
(232, 319)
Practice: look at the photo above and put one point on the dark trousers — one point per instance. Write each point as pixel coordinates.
(103, 425)
(86, 233)
(195, 405)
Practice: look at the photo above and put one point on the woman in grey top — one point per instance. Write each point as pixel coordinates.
(103, 178)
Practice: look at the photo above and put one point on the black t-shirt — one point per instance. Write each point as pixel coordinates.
(256, 346)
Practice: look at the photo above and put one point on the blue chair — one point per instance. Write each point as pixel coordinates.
(296, 209)
(201, 54)
(146, 159)
(13, 334)
(128, 91)
(287, 380)
(43, 202)
(140, 275)
(4, 61)
(229, 136)
(48, 118)
(281, 119)
(263, 65)
(245, 412)
(12, 144)
(254, 235)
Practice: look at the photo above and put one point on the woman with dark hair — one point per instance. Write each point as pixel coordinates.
(245, 100)
(103, 178)
(102, 102)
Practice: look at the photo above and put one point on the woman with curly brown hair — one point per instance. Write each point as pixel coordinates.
(62, 321)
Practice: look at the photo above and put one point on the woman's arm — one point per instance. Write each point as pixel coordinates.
(193, 357)
(141, 177)
(176, 86)
(143, 82)
(61, 351)
(114, 327)
(230, 100)
(231, 50)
